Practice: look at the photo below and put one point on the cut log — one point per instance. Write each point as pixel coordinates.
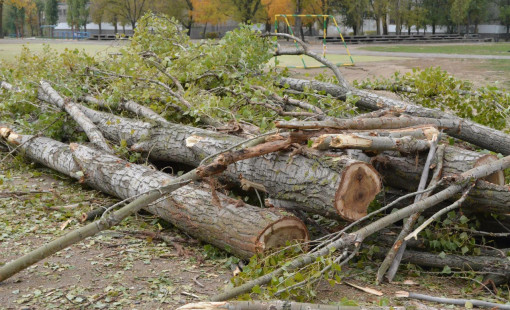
(405, 172)
(483, 136)
(341, 188)
(226, 223)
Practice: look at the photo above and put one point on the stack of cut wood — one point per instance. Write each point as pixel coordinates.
(327, 166)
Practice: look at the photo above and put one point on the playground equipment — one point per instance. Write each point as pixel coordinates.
(325, 18)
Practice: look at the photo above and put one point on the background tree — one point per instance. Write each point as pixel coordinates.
(459, 12)
(130, 10)
(244, 11)
(98, 11)
(208, 11)
(436, 13)
(73, 14)
(504, 15)
(1, 19)
(273, 7)
(354, 12)
(477, 13)
(380, 11)
(83, 13)
(51, 12)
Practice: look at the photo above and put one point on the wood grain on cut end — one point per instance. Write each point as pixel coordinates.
(359, 185)
(279, 233)
(497, 177)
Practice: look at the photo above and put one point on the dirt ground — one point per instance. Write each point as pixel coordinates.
(125, 269)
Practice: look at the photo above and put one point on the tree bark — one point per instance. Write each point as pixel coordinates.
(72, 109)
(341, 187)
(491, 195)
(131, 106)
(483, 136)
(262, 305)
(226, 223)
(365, 142)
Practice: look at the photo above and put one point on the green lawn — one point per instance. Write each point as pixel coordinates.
(295, 61)
(9, 51)
(473, 49)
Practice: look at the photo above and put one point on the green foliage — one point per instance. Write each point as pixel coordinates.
(324, 268)
(435, 88)
(453, 235)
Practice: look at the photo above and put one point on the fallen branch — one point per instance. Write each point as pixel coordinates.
(83, 121)
(468, 303)
(262, 305)
(305, 50)
(130, 106)
(463, 129)
(392, 259)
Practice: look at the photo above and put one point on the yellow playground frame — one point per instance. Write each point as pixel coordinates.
(325, 17)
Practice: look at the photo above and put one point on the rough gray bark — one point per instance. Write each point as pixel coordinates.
(328, 187)
(83, 121)
(226, 223)
(467, 130)
(131, 106)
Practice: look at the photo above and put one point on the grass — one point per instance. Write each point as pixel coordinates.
(500, 67)
(501, 49)
(8, 51)
(293, 61)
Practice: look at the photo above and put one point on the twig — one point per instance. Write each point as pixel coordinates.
(452, 301)
(438, 214)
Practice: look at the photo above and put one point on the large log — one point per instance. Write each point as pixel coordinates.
(342, 188)
(404, 173)
(483, 136)
(224, 222)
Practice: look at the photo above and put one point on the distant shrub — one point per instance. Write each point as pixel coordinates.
(212, 35)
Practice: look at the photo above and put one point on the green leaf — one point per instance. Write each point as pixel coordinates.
(464, 250)
(446, 270)
(468, 305)
(442, 255)
(256, 289)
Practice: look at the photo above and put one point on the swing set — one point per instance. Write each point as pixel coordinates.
(325, 17)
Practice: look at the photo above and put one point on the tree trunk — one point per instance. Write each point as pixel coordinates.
(1, 19)
(467, 130)
(405, 172)
(341, 186)
(224, 222)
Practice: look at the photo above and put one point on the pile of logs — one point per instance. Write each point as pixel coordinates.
(331, 167)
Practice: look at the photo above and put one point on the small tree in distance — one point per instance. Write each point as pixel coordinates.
(51, 12)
